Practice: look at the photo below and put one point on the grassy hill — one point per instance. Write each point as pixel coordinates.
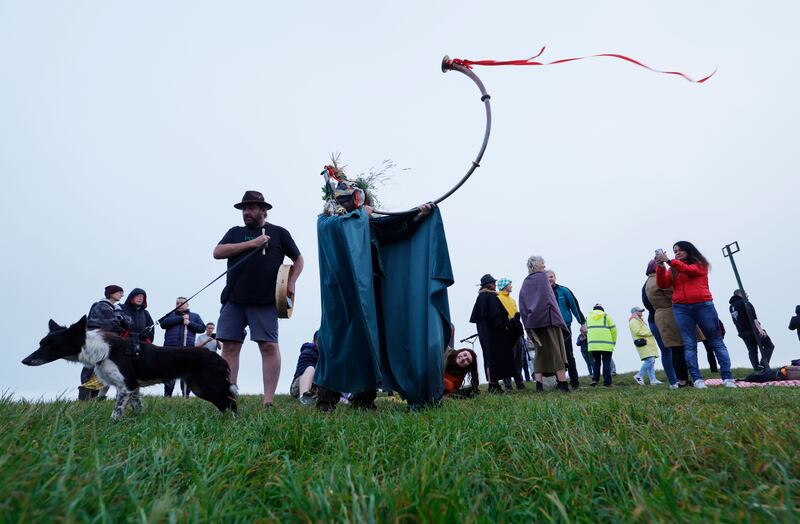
(631, 453)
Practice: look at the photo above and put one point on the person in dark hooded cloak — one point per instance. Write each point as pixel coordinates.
(385, 314)
(491, 318)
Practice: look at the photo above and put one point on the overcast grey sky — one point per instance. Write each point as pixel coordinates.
(128, 130)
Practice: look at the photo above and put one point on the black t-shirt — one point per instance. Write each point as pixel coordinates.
(253, 282)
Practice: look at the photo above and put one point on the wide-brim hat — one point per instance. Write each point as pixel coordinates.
(487, 279)
(252, 197)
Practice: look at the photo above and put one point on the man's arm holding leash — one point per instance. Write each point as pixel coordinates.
(171, 320)
(222, 251)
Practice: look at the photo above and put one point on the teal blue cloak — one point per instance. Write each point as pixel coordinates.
(385, 313)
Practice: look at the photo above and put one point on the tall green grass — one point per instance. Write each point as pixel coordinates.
(633, 453)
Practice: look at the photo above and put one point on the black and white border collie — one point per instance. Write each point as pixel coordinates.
(116, 363)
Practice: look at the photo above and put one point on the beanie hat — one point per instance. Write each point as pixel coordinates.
(111, 289)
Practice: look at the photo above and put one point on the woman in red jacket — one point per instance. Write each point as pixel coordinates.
(692, 305)
(458, 363)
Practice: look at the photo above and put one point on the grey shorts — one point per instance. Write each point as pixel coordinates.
(262, 320)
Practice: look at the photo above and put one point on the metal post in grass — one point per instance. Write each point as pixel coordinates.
(728, 251)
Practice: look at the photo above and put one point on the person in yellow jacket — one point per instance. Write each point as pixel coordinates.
(601, 336)
(645, 344)
(504, 289)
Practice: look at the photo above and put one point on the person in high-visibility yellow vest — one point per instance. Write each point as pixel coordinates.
(601, 335)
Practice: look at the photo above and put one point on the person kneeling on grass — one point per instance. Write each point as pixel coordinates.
(302, 383)
(458, 363)
(645, 344)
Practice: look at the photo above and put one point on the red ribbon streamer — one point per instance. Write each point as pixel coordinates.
(531, 62)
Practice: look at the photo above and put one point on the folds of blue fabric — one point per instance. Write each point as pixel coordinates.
(348, 336)
(414, 302)
(385, 321)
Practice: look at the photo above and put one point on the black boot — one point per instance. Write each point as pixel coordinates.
(327, 399)
(563, 386)
(539, 387)
(364, 400)
(84, 393)
(495, 388)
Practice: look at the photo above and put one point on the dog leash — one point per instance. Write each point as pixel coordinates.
(234, 266)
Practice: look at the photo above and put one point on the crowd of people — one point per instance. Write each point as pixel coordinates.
(248, 301)
(680, 313)
(131, 319)
(351, 356)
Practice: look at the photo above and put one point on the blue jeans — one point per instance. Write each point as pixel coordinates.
(666, 355)
(648, 369)
(704, 315)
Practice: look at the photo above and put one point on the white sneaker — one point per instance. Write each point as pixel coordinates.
(655, 382)
(700, 384)
(638, 380)
(674, 386)
(730, 383)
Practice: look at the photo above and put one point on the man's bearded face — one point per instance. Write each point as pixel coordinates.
(254, 215)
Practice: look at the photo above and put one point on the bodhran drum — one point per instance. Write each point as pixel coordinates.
(283, 302)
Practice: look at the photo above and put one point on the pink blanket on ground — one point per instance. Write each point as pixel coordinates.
(743, 384)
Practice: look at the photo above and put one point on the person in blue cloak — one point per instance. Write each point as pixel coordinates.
(385, 312)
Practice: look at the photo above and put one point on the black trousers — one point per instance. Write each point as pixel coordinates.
(572, 369)
(520, 361)
(679, 363)
(712, 360)
(525, 359)
(752, 350)
(86, 394)
(603, 357)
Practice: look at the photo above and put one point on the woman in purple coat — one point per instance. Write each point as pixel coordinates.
(544, 324)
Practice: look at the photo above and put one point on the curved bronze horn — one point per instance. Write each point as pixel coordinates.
(449, 65)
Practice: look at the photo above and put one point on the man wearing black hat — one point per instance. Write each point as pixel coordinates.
(492, 321)
(248, 299)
